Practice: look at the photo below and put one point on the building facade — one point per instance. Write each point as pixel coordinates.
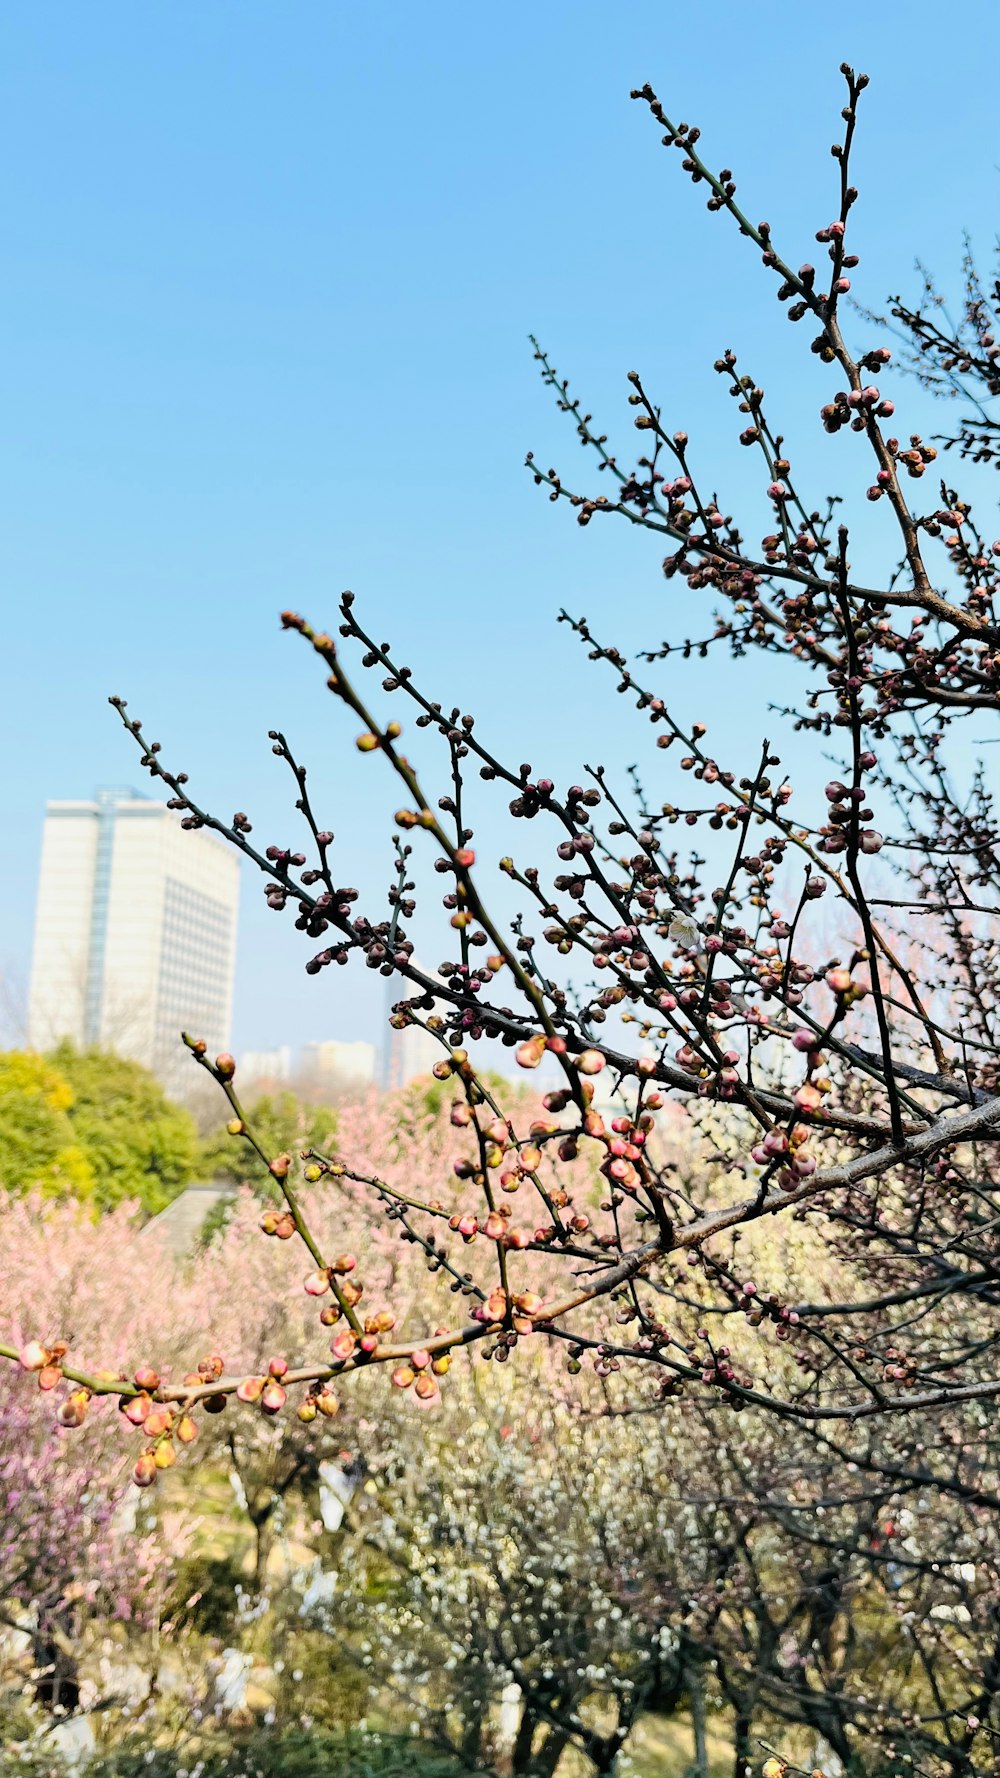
(135, 932)
(343, 1069)
(409, 1054)
(269, 1065)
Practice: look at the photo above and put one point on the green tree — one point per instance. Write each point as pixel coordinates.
(39, 1145)
(136, 1141)
(282, 1123)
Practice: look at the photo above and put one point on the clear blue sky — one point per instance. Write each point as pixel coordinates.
(268, 273)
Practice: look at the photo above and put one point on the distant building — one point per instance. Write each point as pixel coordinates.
(273, 1064)
(337, 1068)
(135, 932)
(409, 1053)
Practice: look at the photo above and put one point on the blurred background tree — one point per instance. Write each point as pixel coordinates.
(138, 1142)
(39, 1147)
(284, 1124)
(89, 1124)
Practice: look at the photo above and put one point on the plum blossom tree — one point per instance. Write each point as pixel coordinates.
(479, 1573)
(958, 358)
(72, 1551)
(67, 1557)
(780, 1580)
(856, 1093)
(774, 1578)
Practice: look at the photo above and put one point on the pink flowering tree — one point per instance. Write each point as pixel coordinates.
(855, 1093)
(73, 1552)
(68, 1557)
(538, 1557)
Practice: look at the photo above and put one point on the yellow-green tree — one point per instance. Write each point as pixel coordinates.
(138, 1143)
(39, 1146)
(91, 1125)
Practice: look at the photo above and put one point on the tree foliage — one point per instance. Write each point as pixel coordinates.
(138, 1143)
(39, 1146)
(282, 1121)
(751, 1579)
(90, 1124)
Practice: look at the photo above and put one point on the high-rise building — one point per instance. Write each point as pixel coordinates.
(135, 932)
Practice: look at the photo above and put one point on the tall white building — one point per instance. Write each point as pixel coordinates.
(135, 932)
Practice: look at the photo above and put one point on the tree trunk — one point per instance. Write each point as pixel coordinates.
(549, 1754)
(264, 1535)
(696, 1693)
(474, 1706)
(520, 1759)
(58, 1686)
(741, 1739)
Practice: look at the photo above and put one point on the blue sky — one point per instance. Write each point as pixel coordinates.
(268, 276)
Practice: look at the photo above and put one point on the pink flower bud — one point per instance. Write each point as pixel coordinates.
(73, 1410)
(807, 1097)
(273, 1397)
(530, 1053)
(590, 1062)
